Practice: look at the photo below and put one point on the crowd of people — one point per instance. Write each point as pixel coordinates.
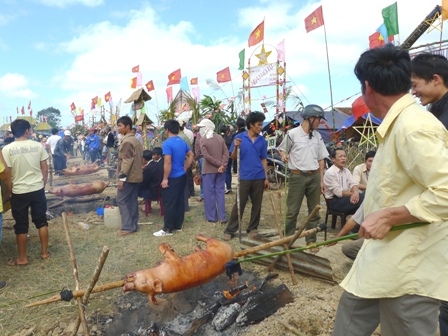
(395, 278)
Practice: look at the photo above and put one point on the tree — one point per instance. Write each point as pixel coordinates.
(53, 116)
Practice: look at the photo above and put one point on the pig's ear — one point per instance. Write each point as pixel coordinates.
(157, 284)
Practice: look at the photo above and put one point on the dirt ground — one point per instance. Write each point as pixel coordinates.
(312, 312)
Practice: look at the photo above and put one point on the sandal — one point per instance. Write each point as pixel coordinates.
(125, 233)
(13, 262)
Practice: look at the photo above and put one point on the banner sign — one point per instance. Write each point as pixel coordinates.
(263, 75)
(79, 118)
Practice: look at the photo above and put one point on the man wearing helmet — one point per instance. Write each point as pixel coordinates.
(304, 150)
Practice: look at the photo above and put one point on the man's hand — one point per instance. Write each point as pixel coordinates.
(376, 225)
(354, 198)
(323, 189)
(285, 157)
(120, 185)
(266, 184)
(164, 183)
(237, 142)
(221, 169)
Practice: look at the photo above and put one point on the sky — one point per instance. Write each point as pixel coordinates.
(55, 52)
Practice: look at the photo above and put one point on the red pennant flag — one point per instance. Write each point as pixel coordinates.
(150, 86)
(136, 68)
(94, 102)
(174, 77)
(31, 113)
(314, 20)
(194, 81)
(29, 105)
(223, 75)
(359, 108)
(257, 35)
(134, 83)
(169, 94)
(72, 106)
(107, 97)
(23, 110)
(376, 40)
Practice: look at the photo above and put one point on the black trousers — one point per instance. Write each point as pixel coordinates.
(173, 199)
(342, 204)
(20, 203)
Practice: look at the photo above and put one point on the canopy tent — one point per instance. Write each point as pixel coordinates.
(42, 126)
(30, 119)
(4, 127)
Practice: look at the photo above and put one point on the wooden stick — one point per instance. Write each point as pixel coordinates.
(96, 275)
(75, 275)
(295, 236)
(291, 329)
(79, 293)
(271, 244)
(280, 233)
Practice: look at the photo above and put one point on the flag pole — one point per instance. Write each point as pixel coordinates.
(329, 79)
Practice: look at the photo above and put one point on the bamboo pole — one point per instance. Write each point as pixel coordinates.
(286, 246)
(75, 275)
(96, 275)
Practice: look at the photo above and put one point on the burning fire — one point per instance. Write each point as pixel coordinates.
(230, 294)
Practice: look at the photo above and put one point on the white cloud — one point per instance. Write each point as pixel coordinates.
(65, 3)
(15, 85)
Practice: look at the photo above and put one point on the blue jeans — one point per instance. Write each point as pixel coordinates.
(229, 175)
(201, 161)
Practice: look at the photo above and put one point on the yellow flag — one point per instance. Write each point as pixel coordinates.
(100, 102)
(444, 9)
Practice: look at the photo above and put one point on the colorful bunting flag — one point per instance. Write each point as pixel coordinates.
(169, 94)
(184, 84)
(195, 92)
(314, 20)
(150, 86)
(23, 110)
(194, 81)
(390, 16)
(99, 102)
(242, 56)
(72, 106)
(107, 97)
(134, 83)
(94, 102)
(136, 68)
(174, 77)
(444, 9)
(384, 33)
(223, 75)
(257, 35)
(281, 51)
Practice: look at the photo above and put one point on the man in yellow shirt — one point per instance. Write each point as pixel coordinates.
(395, 280)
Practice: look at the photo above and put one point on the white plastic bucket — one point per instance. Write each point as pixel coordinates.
(112, 218)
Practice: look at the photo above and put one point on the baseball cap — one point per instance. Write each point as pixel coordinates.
(67, 132)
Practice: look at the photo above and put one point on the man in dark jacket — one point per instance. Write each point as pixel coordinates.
(110, 143)
(149, 189)
(62, 151)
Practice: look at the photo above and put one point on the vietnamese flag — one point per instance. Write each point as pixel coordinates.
(174, 77)
(376, 40)
(257, 35)
(314, 20)
(72, 107)
(149, 86)
(223, 75)
(194, 81)
(107, 97)
(136, 68)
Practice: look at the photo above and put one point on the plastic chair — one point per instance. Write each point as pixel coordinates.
(334, 216)
(148, 208)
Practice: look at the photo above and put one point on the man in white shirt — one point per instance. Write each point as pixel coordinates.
(52, 141)
(361, 172)
(342, 191)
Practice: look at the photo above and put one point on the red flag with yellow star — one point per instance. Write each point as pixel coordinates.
(149, 86)
(174, 77)
(314, 20)
(376, 40)
(223, 75)
(257, 35)
(194, 81)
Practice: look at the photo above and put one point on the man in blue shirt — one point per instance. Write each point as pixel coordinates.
(93, 143)
(253, 177)
(177, 157)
